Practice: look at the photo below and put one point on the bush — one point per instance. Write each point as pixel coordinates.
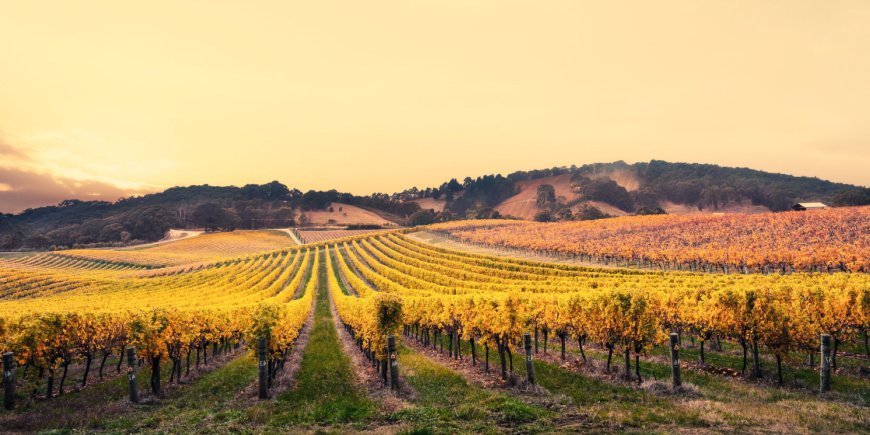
(590, 213)
(422, 217)
(544, 216)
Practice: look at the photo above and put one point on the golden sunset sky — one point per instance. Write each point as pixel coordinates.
(99, 99)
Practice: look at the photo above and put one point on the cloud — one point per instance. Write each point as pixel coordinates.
(23, 189)
(7, 151)
(27, 183)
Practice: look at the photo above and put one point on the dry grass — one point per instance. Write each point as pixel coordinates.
(192, 250)
(344, 214)
(431, 203)
(524, 204)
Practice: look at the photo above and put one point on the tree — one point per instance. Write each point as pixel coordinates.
(544, 216)
(852, 197)
(483, 213)
(546, 196)
(565, 214)
(644, 211)
(283, 216)
(38, 241)
(317, 200)
(589, 213)
(273, 191)
(605, 189)
(151, 223)
(422, 217)
(213, 217)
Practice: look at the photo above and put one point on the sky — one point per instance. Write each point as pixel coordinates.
(102, 99)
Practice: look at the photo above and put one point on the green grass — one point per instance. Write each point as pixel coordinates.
(605, 404)
(722, 403)
(447, 403)
(325, 392)
(207, 402)
(103, 405)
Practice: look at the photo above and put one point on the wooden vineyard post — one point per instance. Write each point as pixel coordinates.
(262, 369)
(676, 379)
(530, 367)
(8, 381)
(825, 376)
(131, 375)
(394, 363)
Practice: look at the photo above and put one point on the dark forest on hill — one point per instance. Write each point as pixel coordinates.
(148, 218)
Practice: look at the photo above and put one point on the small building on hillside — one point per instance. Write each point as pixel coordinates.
(804, 206)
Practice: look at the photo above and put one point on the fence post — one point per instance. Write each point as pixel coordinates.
(131, 374)
(676, 379)
(394, 362)
(530, 367)
(262, 369)
(8, 380)
(826, 364)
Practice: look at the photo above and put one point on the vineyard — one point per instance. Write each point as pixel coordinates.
(413, 319)
(823, 240)
(317, 236)
(203, 248)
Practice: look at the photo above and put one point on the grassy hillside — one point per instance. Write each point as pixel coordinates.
(619, 188)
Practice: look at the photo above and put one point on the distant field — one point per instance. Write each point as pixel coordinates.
(832, 239)
(197, 249)
(344, 214)
(315, 236)
(14, 254)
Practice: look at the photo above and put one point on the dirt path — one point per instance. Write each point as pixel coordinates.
(365, 374)
(174, 236)
(292, 235)
(286, 379)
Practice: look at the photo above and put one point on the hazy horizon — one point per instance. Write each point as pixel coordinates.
(100, 100)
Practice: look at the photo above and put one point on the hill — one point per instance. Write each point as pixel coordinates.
(344, 214)
(616, 189)
(562, 193)
(148, 218)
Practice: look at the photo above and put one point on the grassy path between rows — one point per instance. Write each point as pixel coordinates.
(105, 405)
(325, 393)
(721, 403)
(206, 403)
(447, 403)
